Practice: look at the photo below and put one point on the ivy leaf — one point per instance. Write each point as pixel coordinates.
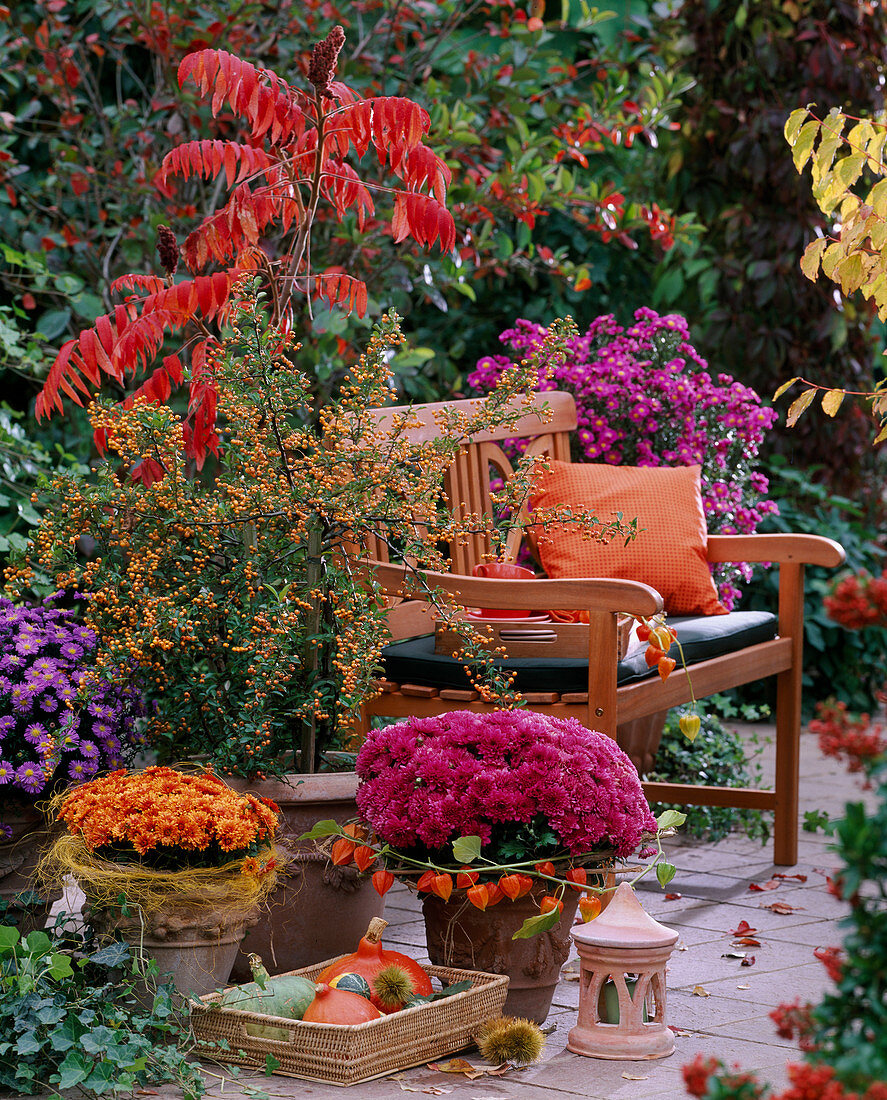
(532, 926)
(9, 937)
(60, 967)
(466, 849)
(271, 1064)
(72, 1071)
(114, 955)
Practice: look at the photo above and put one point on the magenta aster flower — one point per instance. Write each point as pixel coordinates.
(427, 781)
(644, 397)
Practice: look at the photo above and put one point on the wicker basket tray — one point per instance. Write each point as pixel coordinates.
(348, 1054)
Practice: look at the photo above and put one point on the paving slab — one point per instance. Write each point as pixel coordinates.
(716, 1006)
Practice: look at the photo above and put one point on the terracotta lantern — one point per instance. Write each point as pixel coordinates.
(623, 954)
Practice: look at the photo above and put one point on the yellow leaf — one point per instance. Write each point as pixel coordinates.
(877, 198)
(798, 406)
(831, 258)
(803, 146)
(785, 386)
(810, 264)
(699, 991)
(874, 149)
(882, 435)
(793, 124)
(831, 401)
(861, 134)
(851, 273)
(849, 169)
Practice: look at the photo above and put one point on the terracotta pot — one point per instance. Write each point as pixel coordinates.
(320, 910)
(639, 739)
(195, 949)
(18, 860)
(458, 934)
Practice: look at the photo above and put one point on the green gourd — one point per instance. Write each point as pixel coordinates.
(286, 995)
(354, 983)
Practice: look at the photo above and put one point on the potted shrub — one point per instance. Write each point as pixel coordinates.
(175, 863)
(57, 727)
(504, 822)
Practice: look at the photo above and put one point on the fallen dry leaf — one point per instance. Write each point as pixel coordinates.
(733, 955)
(699, 991)
(681, 946)
(635, 1077)
(781, 907)
(782, 874)
(679, 1030)
(455, 1065)
(672, 897)
(750, 961)
(428, 1090)
(743, 929)
(461, 1065)
(746, 941)
(770, 884)
(743, 987)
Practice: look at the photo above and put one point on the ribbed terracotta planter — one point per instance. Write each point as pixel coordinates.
(195, 950)
(18, 859)
(458, 934)
(320, 910)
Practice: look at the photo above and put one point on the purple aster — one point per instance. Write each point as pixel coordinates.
(65, 690)
(100, 710)
(7, 772)
(82, 769)
(5, 831)
(12, 662)
(89, 750)
(26, 645)
(49, 703)
(35, 732)
(72, 651)
(68, 740)
(30, 777)
(7, 724)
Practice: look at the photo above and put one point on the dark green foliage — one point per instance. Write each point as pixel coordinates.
(718, 757)
(851, 1022)
(847, 663)
(758, 317)
(73, 1015)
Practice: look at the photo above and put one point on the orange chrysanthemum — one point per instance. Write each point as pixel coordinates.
(161, 808)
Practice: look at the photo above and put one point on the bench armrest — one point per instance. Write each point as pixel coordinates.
(800, 549)
(580, 594)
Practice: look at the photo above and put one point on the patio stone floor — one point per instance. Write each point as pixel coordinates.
(718, 1006)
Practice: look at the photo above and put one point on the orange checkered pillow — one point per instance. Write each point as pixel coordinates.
(669, 553)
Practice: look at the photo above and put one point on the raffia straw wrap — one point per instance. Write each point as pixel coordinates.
(227, 889)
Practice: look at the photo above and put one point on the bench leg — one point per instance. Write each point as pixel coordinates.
(788, 752)
(788, 717)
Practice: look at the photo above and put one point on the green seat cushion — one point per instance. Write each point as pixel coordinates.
(414, 661)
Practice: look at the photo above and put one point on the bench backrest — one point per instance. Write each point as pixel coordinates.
(546, 431)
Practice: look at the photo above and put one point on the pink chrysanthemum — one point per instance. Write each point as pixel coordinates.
(427, 781)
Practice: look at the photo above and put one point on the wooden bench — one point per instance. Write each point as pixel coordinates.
(609, 695)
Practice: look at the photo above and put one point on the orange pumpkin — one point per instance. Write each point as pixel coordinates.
(339, 1006)
(370, 957)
